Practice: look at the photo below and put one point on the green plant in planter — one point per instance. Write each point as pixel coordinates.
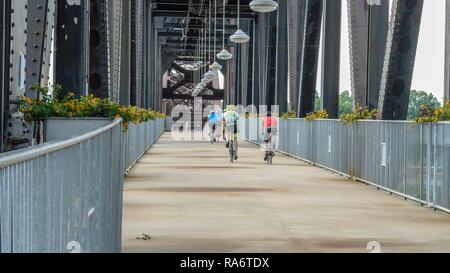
(359, 113)
(48, 105)
(322, 114)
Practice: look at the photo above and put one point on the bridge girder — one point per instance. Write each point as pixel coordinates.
(399, 59)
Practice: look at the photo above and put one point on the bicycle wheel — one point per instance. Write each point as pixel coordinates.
(231, 151)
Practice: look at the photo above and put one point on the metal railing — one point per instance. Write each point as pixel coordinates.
(66, 196)
(408, 159)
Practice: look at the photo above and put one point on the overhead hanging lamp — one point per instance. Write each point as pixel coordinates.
(239, 37)
(210, 75)
(215, 66)
(263, 5)
(224, 54)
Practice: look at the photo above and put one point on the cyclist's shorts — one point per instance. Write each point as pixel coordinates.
(213, 127)
(269, 132)
(232, 129)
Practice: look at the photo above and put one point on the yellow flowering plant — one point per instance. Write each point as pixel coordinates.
(429, 114)
(359, 113)
(289, 115)
(322, 114)
(48, 105)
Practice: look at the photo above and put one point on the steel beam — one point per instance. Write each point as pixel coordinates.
(124, 95)
(4, 67)
(282, 63)
(310, 57)
(262, 48)
(271, 61)
(183, 14)
(36, 34)
(368, 27)
(137, 43)
(17, 130)
(47, 68)
(72, 46)
(99, 59)
(331, 51)
(447, 52)
(358, 24)
(378, 29)
(146, 64)
(238, 75)
(115, 35)
(255, 64)
(296, 27)
(250, 67)
(399, 59)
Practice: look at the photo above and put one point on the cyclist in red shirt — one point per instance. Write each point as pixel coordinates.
(269, 131)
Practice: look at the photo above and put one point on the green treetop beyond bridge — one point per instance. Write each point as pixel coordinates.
(80, 174)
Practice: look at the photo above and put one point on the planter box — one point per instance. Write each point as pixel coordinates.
(64, 128)
(168, 122)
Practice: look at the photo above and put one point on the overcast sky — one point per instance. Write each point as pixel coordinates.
(429, 66)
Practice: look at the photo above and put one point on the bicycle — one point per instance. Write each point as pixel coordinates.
(212, 133)
(231, 150)
(269, 154)
(268, 157)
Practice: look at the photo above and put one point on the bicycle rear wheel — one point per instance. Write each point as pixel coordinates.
(231, 149)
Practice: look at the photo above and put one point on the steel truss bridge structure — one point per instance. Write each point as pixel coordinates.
(121, 49)
(67, 194)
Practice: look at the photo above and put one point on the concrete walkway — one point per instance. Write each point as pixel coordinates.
(189, 198)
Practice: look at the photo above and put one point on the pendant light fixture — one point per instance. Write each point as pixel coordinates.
(210, 74)
(215, 66)
(263, 5)
(239, 37)
(224, 54)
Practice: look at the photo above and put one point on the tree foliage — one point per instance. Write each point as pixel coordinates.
(418, 100)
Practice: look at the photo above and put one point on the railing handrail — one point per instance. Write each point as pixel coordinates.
(19, 156)
(372, 120)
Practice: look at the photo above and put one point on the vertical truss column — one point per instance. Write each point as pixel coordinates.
(296, 26)
(36, 31)
(368, 27)
(250, 64)
(137, 11)
(358, 24)
(150, 60)
(271, 62)
(331, 51)
(244, 66)
(447, 52)
(310, 57)
(262, 47)
(378, 30)
(238, 92)
(17, 131)
(399, 59)
(159, 74)
(99, 58)
(125, 44)
(282, 64)
(72, 46)
(47, 56)
(4, 67)
(232, 90)
(255, 64)
(115, 37)
(145, 70)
